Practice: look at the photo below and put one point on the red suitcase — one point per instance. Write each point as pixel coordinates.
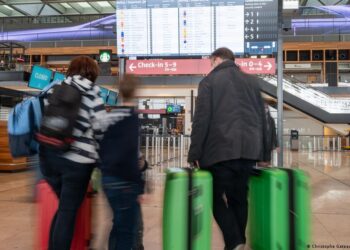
(46, 208)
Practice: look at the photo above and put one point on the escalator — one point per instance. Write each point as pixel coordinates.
(322, 107)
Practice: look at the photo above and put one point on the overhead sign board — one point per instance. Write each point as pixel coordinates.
(168, 67)
(257, 65)
(196, 66)
(194, 27)
(297, 65)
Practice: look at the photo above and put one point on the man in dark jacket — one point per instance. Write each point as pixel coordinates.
(227, 139)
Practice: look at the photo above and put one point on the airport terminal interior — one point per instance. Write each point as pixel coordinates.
(298, 51)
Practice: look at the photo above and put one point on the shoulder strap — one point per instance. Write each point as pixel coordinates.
(48, 87)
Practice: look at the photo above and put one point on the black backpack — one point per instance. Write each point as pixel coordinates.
(60, 116)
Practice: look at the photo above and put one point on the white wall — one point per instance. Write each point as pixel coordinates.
(302, 123)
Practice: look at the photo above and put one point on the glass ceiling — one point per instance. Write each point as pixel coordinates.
(14, 8)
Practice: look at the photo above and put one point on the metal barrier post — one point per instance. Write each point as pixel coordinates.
(178, 150)
(147, 145)
(181, 150)
(162, 150)
(315, 146)
(174, 145)
(319, 144)
(153, 150)
(168, 149)
(156, 150)
(328, 143)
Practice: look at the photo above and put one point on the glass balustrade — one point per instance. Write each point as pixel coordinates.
(316, 98)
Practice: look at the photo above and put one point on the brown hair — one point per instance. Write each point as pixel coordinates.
(223, 53)
(128, 86)
(83, 66)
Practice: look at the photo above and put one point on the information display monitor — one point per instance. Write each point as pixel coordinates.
(104, 94)
(112, 99)
(59, 77)
(173, 109)
(40, 77)
(195, 27)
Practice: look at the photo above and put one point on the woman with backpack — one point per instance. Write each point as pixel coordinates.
(68, 150)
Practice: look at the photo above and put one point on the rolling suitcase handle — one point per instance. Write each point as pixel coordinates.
(194, 222)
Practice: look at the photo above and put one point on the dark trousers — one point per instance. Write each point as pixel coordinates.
(138, 244)
(230, 208)
(69, 180)
(122, 197)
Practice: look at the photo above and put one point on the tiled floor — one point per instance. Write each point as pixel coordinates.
(330, 179)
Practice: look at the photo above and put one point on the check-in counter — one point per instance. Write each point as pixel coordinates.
(7, 162)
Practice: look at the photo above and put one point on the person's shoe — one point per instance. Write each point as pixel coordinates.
(240, 247)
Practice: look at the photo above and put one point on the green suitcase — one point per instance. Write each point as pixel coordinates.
(279, 210)
(187, 210)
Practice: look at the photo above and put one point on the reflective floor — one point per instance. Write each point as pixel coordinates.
(330, 180)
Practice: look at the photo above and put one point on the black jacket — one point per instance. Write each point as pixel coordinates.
(229, 121)
(119, 148)
(271, 137)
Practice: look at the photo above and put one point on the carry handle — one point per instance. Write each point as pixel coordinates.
(193, 165)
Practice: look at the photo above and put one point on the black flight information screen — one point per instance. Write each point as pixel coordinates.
(196, 27)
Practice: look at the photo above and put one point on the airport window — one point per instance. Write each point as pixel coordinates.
(331, 55)
(304, 55)
(343, 55)
(292, 55)
(317, 55)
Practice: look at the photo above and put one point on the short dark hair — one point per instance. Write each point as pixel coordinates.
(84, 66)
(223, 53)
(128, 86)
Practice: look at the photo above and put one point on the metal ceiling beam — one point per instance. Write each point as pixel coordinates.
(41, 9)
(93, 6)
(303, 2)
(113, 4)
(19, 10)
(10, 2)
(74, 8)
(5, 11)
(68, 1)
(83, 10)
(322, 3)
(59, 8)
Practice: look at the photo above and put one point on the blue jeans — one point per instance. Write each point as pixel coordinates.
(122, 197)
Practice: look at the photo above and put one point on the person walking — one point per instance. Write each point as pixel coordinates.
(121, 172)
(228, 139)
(271, 143)
(68, 172)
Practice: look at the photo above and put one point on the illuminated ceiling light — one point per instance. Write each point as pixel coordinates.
(84, 4)
(104, 4)
(66, 5)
